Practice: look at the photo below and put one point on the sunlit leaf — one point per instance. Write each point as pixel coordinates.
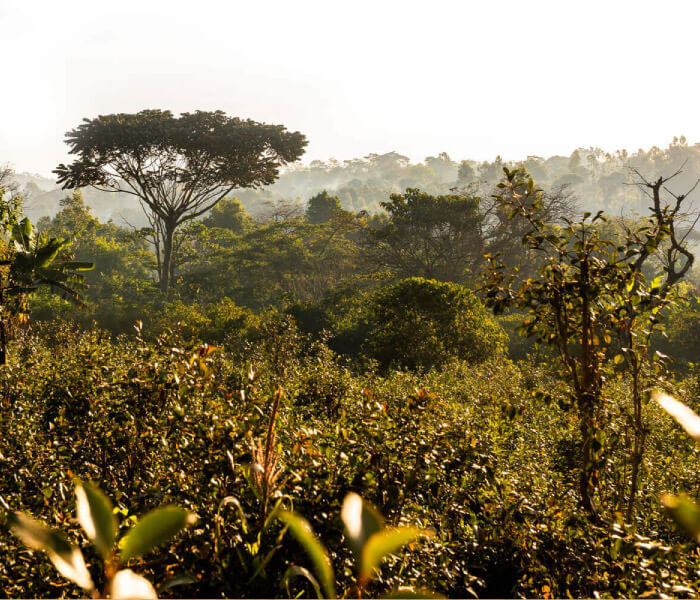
(72, 566)
(361, 521)
(95, 514)
(386, 542)
(67, 559)
(154, 529)
(22, 233)
(45, 255)
(127, 584)
(74, 265)
(685, 512)
(302, 531)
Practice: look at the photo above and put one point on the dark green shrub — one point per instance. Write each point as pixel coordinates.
(422, 323)
(321, 207)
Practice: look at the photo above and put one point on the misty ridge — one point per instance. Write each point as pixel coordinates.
(599, 180)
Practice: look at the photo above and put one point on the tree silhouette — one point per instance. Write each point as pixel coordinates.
(177, 167)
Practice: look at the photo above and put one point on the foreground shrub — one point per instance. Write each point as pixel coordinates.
(96, 516)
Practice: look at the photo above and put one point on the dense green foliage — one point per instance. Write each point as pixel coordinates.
(320, 208)
(481, 454)
(305, 363)
(437, 237)
(419, 323)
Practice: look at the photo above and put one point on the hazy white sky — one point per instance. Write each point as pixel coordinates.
(472, 78)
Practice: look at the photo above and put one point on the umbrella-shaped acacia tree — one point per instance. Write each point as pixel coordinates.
(177, 167)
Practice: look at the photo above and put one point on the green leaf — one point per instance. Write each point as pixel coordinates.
(685, 512)
(685, 417)
(154, 529)
(127, 584)
(176, 582)
(26, 227)
(656, 282)
(45, 255)
(37, 535)
(22, 233)
(302, 531)
(386, 542)
(296, 571)
(67, 559)
(96, 516)
(74, 265)
(361, 521)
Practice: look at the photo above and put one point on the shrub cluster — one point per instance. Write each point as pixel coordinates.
(479, 453)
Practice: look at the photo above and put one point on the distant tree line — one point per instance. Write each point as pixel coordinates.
(599, 178)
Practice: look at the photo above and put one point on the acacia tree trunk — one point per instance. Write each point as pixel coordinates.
(166, 263)
(171, 276)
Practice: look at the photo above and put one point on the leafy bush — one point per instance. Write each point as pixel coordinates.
(420, 323)
(215, 322)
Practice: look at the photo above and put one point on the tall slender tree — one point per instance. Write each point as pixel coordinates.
(177, 167)
(592, 298)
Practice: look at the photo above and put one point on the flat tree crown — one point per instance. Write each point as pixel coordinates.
(143, 152)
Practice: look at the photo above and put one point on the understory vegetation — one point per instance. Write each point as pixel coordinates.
(482, 454)
(452, 396)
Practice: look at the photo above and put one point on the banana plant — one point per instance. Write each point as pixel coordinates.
(369, 539)
(30, 262)
(683, 510)
(33, 264)
(96, 515)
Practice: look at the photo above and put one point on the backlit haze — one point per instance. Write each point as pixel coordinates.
(474, 79)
